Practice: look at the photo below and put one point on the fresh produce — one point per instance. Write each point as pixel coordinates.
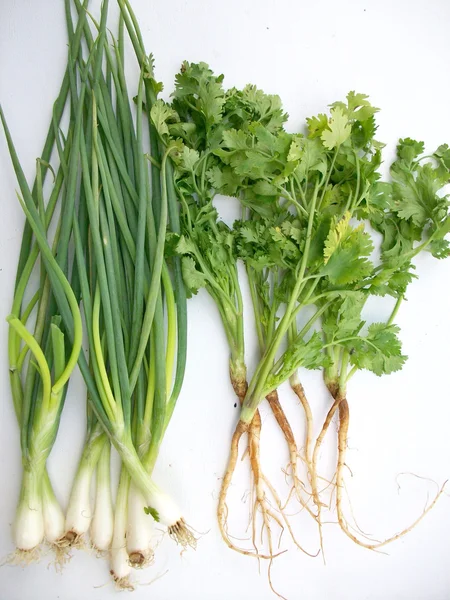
(304, 191)
(117, 226)
(298, 193)
(122, 226)
(202, 114)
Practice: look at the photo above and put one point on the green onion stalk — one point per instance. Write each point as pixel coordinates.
(102, 524)
(163, 352)
(119, 274)
(200, 230)
(40, 362)
(125, 284)
(80, 515)
(39, 403)
(119, 559)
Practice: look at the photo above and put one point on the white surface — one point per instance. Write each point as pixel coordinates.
(311, 53)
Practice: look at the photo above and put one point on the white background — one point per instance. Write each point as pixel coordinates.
(311, 53)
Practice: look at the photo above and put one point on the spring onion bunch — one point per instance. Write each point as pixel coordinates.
(127, 289)
(116, 222)
(42, 349)
(40, 364)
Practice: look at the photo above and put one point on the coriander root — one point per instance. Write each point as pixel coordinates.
(222, 509)
(312, 472)
(285, 427)
(260, 483)
(253, 431)
(344, 420)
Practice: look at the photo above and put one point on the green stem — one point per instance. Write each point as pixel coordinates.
(256, 308)
(330, 170)
(254, 395)
(294, 339)
(395, 310)
(110, 406)
(171, 328)
(343, 373)
(180, 298)
(155, 283)
(38, 354)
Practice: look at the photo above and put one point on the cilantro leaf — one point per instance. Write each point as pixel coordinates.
(224, 180)
(392, 280)
(189, 158)
(316, 125)
(358, 107)
(379, 351)
(185, 246)
(252, 105)
(346, 251)
(443, 154)
(193, 279)
(338, 130)
(295, 150)
(311, 157)
(153, 512)
(408, 150)
(363, 132)
(416, 198)
(308, 355)
(262, 245)
(344, 316)
(439, 248)
(160, 114)
(236, 140)
(197, 85)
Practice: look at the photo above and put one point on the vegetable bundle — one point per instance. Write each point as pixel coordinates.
(128, 229)
(114, 223)
(308, 204)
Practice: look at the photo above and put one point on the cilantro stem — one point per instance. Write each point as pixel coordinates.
(329, 172)
(358, 181)
(256, 307)
(239, 314)
(343, 373)
(294, 339)
(395, 310)
(331, 294)
(270, 328)
(255, 391)
(351, 373)
(331, 371)
(300, 189)
(291, 198)
(349, 203)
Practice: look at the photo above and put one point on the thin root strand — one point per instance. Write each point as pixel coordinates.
(62, 553)
(72, 539)
(344, 419)
(23, 558)
(182, 534)
(122, 583)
